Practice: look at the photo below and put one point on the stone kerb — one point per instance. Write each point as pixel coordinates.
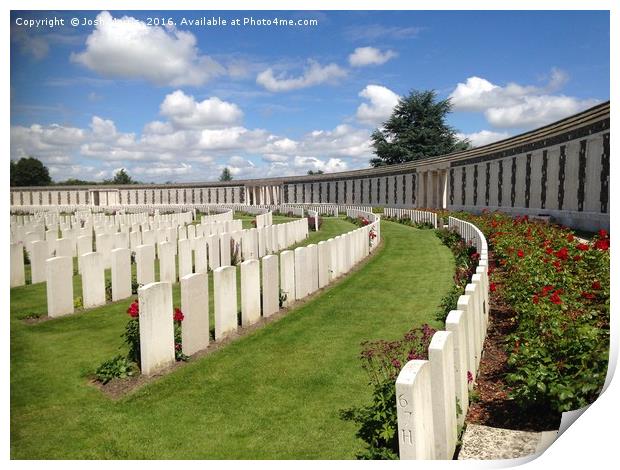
(441, 358)
(287, 276)
(195, 308)
(271, 285)
(93, 280)
(225, 300)
(59, 273)
(415, 411)
(250, 292)
(156, 327)
(145, 264)
(121, 273)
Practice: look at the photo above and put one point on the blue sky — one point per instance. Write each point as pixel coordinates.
(178, 103)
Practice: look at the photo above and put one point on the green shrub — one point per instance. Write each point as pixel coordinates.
(117, 367)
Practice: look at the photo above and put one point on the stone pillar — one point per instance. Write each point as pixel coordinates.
(145, 264)
(156, 327)
(185, 257)
(250, 292)
(225, 300)
(39, 253)
(18, 276)
(93, 280)
(287, 276)
(415, 412)
(441, 357)
(195, 307)
(271, 285)
(121, 273)
(167, 264)
(59, 274)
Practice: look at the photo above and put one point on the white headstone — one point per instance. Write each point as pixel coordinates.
(225, 300)
(167, 263)
(156, 327)
(93, 280)
(18, 276)
(121, 273)
(195, 308)
(250, 292)
(59, 271)
(271, 285)
(38, 254)
(145, 264)
(185, 257)
(287, 276)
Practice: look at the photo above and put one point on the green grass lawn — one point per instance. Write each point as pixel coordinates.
(275, 393)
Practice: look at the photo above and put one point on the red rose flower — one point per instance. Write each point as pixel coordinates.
(134, 309)
(562, 253)
(178, 315)
(555, 298)
(596, 285)
(602, 233)
(588, 295)
(577, 258)
(492, 287)
(470, 377)
(549, 250)
(535, 299)
(583, 247)
(570, 237)
(520, 254)
(546, 290)
(396, 363)
(602, 245)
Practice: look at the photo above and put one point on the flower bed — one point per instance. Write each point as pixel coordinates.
(558, 287)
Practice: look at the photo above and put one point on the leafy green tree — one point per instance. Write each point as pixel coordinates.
(317, 172)
(76, 182)
(29, 172)
(226, 175)
(121, 177)
(416, 129)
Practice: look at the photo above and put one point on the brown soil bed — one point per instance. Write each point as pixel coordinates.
(494, 407)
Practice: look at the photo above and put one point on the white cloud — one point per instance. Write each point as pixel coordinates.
(314, 74)
(517, 106)
(185, 112)
(483, 137)
(128, 48)
(382, 102)
(363, 56)
(304, 164)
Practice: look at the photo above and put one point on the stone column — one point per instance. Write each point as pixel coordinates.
(271, 285)
(156, 327)
(121, 273)
(250, 292)
(195, 307)
(59, 273)
(225, 300)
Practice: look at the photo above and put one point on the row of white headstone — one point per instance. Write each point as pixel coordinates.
(292, 276)
(419, 217)
(113, 252)
(432, 396)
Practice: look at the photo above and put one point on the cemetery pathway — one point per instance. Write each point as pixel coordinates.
(275, 393)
